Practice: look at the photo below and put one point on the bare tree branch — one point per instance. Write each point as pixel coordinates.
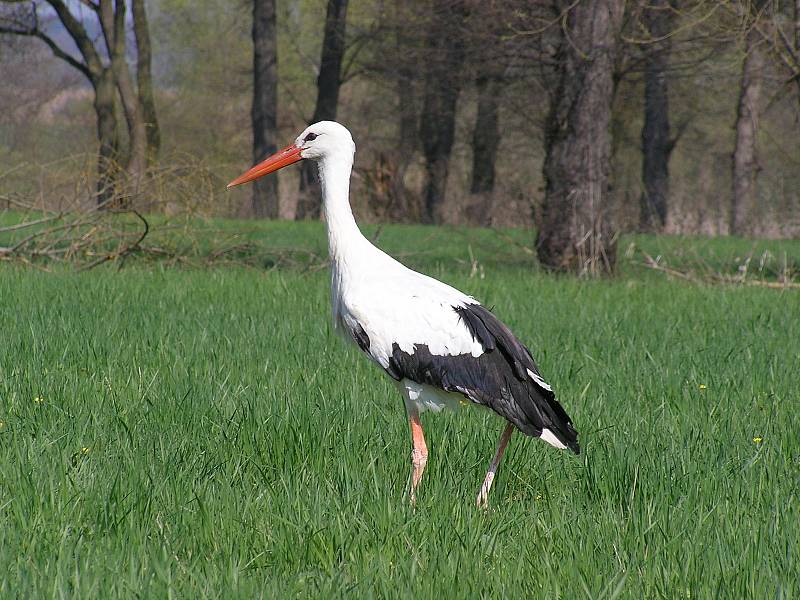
(105, 14)
(78, 33)
(33, 30)
(59, 53)
(92, 5)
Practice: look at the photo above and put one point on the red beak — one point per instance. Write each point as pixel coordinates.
(282, 158)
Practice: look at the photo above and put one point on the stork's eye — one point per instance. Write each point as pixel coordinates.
(310, 137)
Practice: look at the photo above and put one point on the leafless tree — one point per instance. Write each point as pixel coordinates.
(328, 84)
(265, 103)
(745, 157)
(405, 62)
(144, 79)
(104, 64)
(796, 53)
(485, 141)
(574, 231)
(443, 79)
(656, 142)
(488, 51)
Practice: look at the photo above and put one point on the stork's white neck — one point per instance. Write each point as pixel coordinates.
(345, 240)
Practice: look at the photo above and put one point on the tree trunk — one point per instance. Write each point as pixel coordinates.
(574, 232)
(485, 140)
(404, 206)
(745, 160)
(144, 80)
(328, 83)
(108, 159)
(486, 135)
(112, 21)
(656, 143)
(797, 46)
(265, 102)
(445, 55)
(386, 182)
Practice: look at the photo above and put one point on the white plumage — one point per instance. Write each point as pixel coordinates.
(440, 346)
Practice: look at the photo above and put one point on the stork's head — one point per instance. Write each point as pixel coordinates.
(320, 141)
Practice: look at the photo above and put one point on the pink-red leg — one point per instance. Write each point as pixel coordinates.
(419, 452)
(483, 495)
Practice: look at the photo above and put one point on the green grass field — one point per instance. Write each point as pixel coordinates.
(202, 433)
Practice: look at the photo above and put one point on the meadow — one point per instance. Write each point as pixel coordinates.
(182, 432)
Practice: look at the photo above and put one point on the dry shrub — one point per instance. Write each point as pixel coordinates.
(55, 217)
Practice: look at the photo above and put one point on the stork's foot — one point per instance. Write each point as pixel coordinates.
(483, 494)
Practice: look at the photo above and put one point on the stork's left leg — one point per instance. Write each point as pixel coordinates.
(483, 495)
(419, 452)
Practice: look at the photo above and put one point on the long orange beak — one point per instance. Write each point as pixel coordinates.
(282, 158)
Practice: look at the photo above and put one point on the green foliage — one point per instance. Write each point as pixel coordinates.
(204, 434)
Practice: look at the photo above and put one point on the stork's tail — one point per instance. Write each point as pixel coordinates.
(558, 430)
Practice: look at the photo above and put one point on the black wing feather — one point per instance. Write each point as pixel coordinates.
(498, 378)
(360, 337)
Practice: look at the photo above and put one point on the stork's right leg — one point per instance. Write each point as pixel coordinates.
(419, 452)
(483, 495)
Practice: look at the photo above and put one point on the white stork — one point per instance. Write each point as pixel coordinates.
(440, 346)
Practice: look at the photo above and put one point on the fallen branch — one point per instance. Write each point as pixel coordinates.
(127, 249)
(715, 277)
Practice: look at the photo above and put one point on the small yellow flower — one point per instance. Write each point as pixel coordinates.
(84, 450)
(703, 386)
(38, 399)
(2, 424)
(538, 497)
(757, 440)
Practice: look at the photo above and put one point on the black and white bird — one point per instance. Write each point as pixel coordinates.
(439, 345)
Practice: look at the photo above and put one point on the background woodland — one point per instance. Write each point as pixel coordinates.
(580, 119)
